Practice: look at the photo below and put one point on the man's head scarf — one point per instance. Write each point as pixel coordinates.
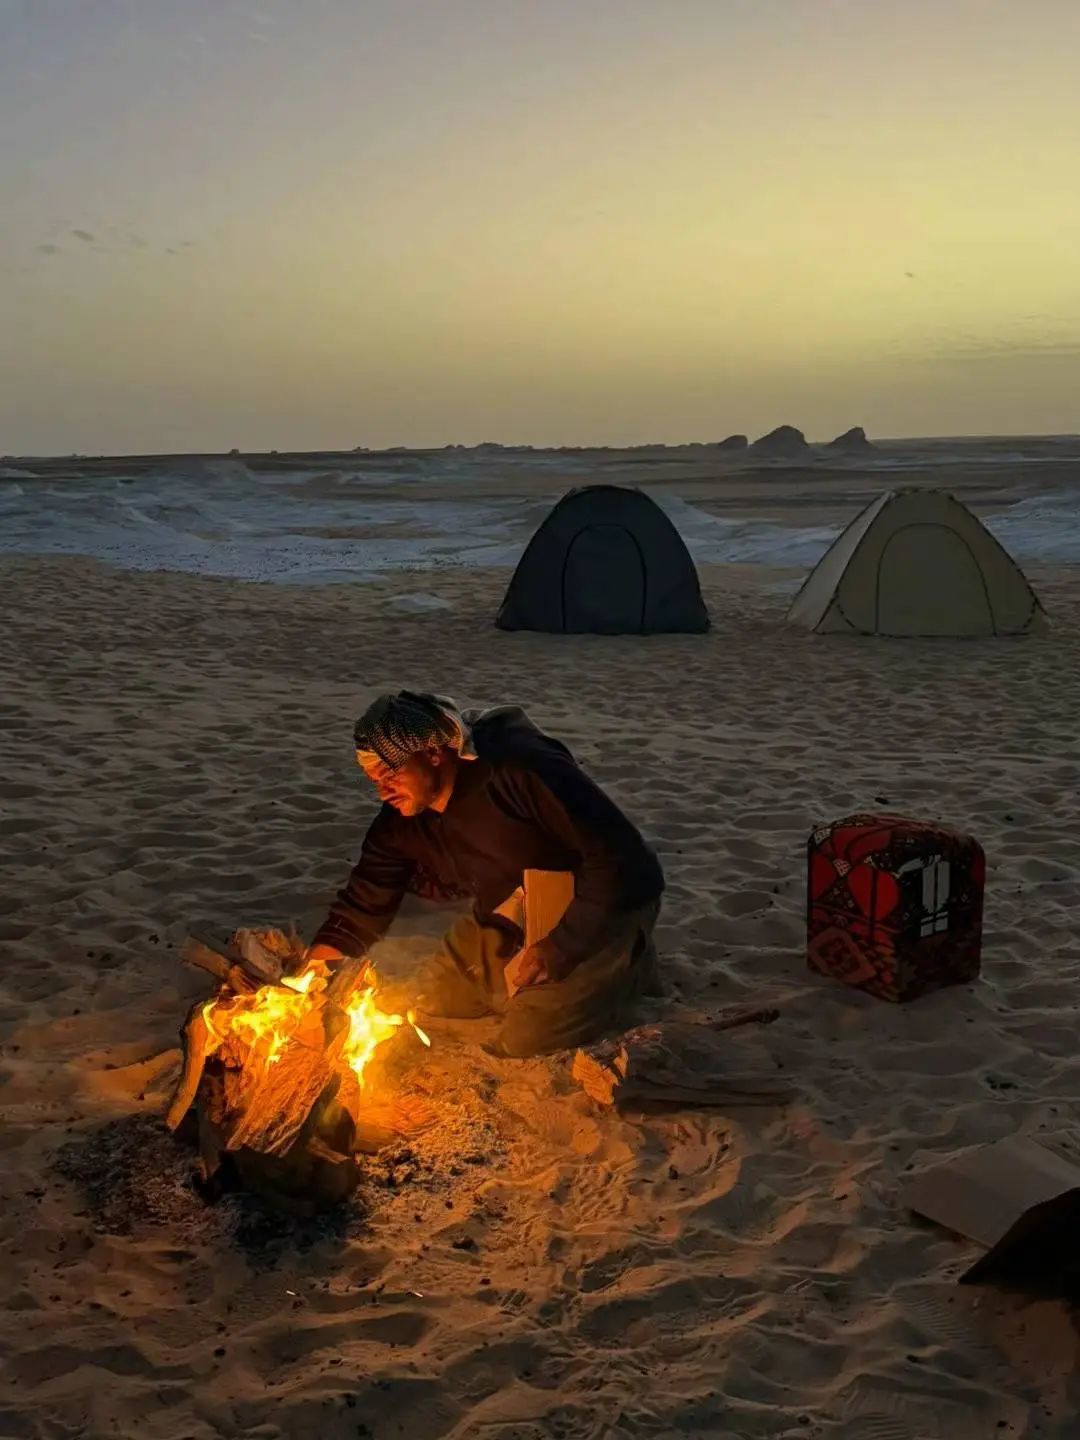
(393, 727)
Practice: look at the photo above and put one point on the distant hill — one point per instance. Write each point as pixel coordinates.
(785, 442)
(733, 442)
(852, 442)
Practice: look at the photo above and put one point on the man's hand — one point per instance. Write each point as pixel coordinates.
(537, 965)
(323, 959)
(324, 955)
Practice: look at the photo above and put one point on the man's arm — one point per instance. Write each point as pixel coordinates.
(363, 911)
(615, 870)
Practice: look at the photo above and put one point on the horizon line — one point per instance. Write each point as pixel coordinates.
(236, 453)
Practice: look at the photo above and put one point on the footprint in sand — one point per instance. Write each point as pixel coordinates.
(737, 903)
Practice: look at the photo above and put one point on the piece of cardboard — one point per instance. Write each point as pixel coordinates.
(545, 899)
(548, 894)
(1019, 1199)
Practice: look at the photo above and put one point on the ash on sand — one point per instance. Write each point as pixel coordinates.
(132, 1175)
(464, 1123)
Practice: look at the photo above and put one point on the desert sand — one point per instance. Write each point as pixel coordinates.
(176, 751)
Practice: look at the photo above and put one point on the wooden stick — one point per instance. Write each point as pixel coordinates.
(676, 1062)
(732, 1019)
(196, 1038)
(227, 965)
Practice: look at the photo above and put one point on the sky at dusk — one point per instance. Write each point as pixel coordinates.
(314, 224)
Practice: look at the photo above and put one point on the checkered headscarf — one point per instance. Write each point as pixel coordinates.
(393, 727)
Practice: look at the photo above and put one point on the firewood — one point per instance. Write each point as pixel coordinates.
(227, 964)
(316, 1172)
(311, 1178)
(271, 1104)
(203, 958)
(675, 1062)
(211, 1111)
(270, 952)
(196, 1044)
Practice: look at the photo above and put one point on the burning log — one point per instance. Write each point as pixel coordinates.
(275, 1066)
(318, 1169)
(675, 1062)
(269, 1105)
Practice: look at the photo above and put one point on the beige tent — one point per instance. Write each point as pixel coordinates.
(917, 562)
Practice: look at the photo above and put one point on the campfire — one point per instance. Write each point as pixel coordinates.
(288, 1070)
(277, 1069)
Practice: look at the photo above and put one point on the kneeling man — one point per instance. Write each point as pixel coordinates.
(470, 803)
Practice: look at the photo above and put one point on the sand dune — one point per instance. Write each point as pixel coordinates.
(176, 750)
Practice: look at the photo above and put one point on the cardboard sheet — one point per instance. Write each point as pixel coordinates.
(544, 899)
(1018, 1198)
(547, 898)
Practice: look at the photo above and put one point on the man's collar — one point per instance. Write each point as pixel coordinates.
(470, 776)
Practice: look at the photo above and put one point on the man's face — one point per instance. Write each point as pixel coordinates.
(409, 787)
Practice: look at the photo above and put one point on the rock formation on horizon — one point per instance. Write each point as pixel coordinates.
(733, 442)
(852, 442)
(785, 441)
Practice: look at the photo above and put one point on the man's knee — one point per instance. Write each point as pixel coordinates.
(522, 1036)
(441, 991)
(556, 1017)
(450, 984)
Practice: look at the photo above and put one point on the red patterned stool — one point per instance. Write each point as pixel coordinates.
(894, 906)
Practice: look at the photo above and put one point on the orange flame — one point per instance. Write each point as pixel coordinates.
(368, 1028)
(265, 1020)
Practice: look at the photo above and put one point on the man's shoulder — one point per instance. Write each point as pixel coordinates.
(508, 736)
(513, 777)
(508, 768)
(492, 773)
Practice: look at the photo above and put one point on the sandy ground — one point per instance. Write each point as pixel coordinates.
(176, 750)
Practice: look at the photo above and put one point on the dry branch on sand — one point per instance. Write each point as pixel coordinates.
(676, 1062)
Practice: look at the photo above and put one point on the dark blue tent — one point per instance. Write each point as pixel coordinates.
(606, 561)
